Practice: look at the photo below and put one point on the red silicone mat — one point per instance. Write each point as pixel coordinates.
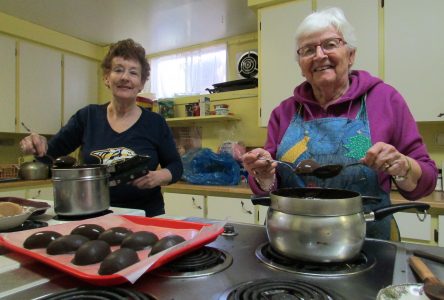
(195, 234)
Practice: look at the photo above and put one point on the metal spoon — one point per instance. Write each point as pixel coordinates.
(279, 162)
(304, 167)
(307, 166)
(327, 171)
(433, 287)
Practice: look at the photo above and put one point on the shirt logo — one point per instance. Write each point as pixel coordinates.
(112, 156)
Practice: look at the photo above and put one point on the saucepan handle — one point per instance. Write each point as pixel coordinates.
(261, 200)
(388, 210)
(371, 200)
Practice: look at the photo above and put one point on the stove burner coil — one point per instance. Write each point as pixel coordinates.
(266, 254)
(202, 262)
(277, 289)
(102, 293)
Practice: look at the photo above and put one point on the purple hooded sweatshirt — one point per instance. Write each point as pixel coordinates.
(389, 117)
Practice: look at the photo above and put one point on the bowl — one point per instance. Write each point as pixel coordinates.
(16, 220)
(408, 291)
(40, 206)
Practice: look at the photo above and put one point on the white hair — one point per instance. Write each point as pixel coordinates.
(321, 20)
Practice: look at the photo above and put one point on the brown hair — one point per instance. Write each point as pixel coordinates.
(128, 49)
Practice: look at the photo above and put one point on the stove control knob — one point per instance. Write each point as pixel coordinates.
(229, 230)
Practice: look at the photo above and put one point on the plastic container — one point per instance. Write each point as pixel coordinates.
(166, 108)
(204, 106)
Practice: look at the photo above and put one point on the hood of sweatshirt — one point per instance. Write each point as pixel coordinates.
(360, 83)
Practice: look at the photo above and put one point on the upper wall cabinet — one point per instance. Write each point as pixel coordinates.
(7, 84)
(40, 88)
(279, 72)
(80, 84)
(363, 16)
(414, 50)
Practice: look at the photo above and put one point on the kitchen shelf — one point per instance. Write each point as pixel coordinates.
(203, 119)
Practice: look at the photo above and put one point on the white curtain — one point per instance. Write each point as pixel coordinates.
(188, 73)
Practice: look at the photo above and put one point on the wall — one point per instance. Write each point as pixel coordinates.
(212, 137)
(243, 104)
(23, 30)
(429, 131)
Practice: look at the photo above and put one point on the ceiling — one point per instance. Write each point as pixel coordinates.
(158, 25)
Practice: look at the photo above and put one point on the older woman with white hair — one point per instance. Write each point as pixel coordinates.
(341, 116)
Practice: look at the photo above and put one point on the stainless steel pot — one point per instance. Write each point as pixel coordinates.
(320, 225)
(80, 190)
(33, 170)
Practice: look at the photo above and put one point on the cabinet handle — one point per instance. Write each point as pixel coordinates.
(194, 204)
(38, 194)
(245, 210)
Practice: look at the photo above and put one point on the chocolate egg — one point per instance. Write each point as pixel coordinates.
(139, 240)
(91, 231)
(115, 235)
(40, 239)
(91, 252)
(118, 260)
(166, 242)
(66, 244)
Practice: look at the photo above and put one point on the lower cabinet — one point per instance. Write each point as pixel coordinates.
(262, 214)
(441, 231)
(231, 209)
(43, 192)
(13, 193)
(410, 227)
(46, 193)
(184, 205)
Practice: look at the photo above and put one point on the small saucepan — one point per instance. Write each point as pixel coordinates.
(319, 224)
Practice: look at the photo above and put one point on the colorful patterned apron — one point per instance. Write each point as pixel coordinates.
(334, 141)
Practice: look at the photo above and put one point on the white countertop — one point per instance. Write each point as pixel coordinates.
(48, 216)
(12, 261)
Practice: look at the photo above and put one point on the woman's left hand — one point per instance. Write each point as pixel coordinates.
(153, 179)
(386, 158)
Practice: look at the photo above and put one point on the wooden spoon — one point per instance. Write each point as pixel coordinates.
(433, 287)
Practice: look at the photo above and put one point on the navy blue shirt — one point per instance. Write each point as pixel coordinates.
(100, 144)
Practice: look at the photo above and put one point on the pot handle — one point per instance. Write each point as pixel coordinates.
(388, 210)
(261, 200)
(371, 199)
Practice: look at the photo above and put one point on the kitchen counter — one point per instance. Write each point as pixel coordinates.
(435, 200)
(24, 184)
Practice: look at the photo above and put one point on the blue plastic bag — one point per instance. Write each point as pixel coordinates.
(203, 166)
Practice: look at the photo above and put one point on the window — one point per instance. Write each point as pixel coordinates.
(188, 73)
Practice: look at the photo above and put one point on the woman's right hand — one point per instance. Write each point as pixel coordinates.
(34, 144)
(257, 165)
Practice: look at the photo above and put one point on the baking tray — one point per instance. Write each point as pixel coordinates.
(196, 235)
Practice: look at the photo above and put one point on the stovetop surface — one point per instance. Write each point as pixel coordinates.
(247, 267)
(34, 279)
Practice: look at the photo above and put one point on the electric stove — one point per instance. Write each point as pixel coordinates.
(237, 265)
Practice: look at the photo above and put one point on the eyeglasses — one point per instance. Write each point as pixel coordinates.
(328, 46)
